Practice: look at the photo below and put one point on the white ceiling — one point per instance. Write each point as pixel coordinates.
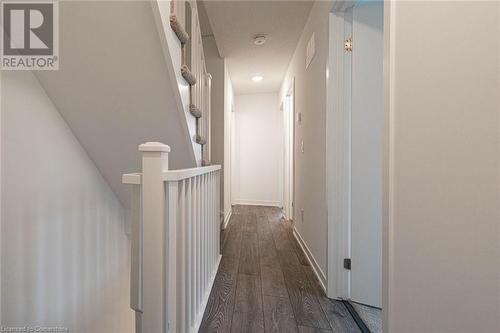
(235, 23)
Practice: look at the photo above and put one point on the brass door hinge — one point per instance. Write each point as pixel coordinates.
(348, 44)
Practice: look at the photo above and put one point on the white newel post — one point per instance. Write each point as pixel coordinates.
(155, 239)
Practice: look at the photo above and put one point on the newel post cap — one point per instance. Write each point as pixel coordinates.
(154, 146)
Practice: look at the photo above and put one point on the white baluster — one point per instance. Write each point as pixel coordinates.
(205, 236)
(212, 211)
(181, 259)
(194, 263)
(198, 243)
(136, 290)
(172, 287)
(188, 243)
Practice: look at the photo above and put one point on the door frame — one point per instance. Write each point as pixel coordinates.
(336, 185)
(338, 158)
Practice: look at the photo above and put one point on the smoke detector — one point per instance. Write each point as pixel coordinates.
(259, 39)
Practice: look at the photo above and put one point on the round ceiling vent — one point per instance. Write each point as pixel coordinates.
(259, 39)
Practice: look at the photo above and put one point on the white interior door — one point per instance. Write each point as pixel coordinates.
(366, 153)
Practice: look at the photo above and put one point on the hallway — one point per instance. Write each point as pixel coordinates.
(265, 283)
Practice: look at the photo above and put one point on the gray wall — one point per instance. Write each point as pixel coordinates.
(444, 236)
(64, 252)
(215, 66)
(310, 101)
(443, 232)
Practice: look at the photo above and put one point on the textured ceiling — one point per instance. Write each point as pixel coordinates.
(235, 23)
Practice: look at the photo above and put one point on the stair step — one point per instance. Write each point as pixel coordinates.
(195, 111)
(205, 162)
(187, 75)
(181, 34)
(201, 140)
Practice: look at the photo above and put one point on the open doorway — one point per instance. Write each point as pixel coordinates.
(288, 106)
(355, 155)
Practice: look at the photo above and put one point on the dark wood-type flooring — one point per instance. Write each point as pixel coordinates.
(265, 283)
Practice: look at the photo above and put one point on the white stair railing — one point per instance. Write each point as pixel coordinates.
(174, 242)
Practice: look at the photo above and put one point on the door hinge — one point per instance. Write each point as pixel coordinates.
(347, 263)
(348, 44)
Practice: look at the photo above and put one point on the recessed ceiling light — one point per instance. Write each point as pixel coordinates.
(259, 39)
(257, 78)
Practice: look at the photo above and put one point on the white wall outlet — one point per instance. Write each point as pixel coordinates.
(302, 146)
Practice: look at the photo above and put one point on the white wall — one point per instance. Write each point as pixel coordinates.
(228, 118)
(310, 165)
(65, 256)
(258, 141)
(444, 221)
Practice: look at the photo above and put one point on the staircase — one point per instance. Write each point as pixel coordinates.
(131, 72)
(186, 49)
(123, 85)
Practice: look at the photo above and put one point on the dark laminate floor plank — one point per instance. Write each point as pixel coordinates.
(281, 237)
(273, 282)
(263, 226)
(303, 298)
(295, 244)
(248, 315)
(339, 318)
(232, 246)
(278, 315)
(249, 258)
(219, 310)
(305, 329)
(224, 233)
(267, 248)
(249, 223)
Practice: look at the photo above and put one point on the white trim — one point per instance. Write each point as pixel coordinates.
(176, 175)
(204, 304)
(388, 165)
(388, 162)
(171, 175)
(227, 219)
(338, 159)
(312, 261)
(256, 203)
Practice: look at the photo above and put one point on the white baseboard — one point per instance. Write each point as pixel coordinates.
(314, 264)
(199, 315)
(257, 203)
(227, 218)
